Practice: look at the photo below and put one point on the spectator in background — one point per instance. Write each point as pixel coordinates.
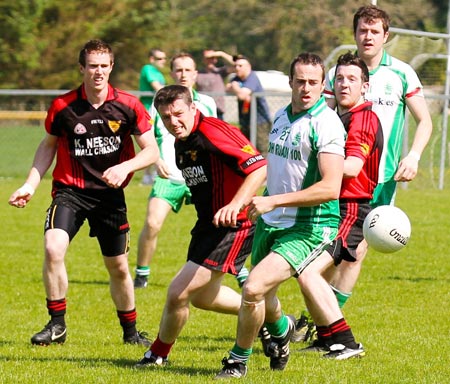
(243, 84)
(211, 78)
(151, 80)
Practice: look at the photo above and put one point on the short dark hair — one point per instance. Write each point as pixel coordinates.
(168, 94)
(181, 55)
(306, 58)
(351, 59)
(153, 52)
(240, 57)
(370, 13)
(95, 46)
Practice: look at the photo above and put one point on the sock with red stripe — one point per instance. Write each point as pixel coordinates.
(323, 336)
(128, 322)
(57, 311)
(341, 333)
(161, 349)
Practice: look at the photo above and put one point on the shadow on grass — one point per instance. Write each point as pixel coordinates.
(195, 340)
(129, 364)
(106, 282)
(416, 279)
(89, 282)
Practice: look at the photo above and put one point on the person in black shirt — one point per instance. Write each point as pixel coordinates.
(89, 130)
(223, 171)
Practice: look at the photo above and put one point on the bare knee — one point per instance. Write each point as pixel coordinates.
(176, 297)
(56, 243)
(117, 267)
(253, 291)
(152, 226)
(307, 276)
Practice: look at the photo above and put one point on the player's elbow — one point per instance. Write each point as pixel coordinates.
(335, 194)
(351, 173)
(333, 191)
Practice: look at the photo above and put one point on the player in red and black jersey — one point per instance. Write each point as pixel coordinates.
(92, 139)
(364, 142)
(363, 149)
(223, 171)
(90, 131)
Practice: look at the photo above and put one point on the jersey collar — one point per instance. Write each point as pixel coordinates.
(315, 110)
(195, 96)
(112, 93)
(197, 121)
(386, 60)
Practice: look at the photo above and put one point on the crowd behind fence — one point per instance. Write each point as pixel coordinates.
(20, 109)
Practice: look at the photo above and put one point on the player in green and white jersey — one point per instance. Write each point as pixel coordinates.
(295, 142)
(393, 86)
(297, 218)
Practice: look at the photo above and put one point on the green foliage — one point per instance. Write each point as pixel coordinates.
(40, 39)
(399, 309)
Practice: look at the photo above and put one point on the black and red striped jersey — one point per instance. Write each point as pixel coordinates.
(90, 140)
(364, 140)
(214, 160)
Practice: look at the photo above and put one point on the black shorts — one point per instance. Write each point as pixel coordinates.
(105, 211)
(222, 249)
(350, 234)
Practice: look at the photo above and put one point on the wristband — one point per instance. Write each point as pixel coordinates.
(26, 189)
(414, 155)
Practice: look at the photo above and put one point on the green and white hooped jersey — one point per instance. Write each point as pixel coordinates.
(390, 84)
(206, 105)
(294, 145)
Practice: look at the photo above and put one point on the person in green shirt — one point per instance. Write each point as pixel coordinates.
(151, 79)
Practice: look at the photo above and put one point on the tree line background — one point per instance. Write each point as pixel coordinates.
(40, 39)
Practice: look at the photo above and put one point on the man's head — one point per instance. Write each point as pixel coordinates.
(96, 61)
(183, 70)
(176, 109)
(157, 58)
(371, 14)
(97, 47)
(351, 81)
(307, 80)
(208, 59)
(371, 30)
(242, 66)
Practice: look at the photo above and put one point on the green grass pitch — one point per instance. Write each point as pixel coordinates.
(399, 309)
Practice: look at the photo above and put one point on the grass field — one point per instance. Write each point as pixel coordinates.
(399, 310)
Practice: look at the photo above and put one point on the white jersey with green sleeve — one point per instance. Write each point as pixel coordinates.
(294, 145)
(390, 84)
(206, 105)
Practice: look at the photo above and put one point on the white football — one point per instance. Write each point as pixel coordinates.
(387, 229)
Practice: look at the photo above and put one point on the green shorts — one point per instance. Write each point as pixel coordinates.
(298, 245)
(384, 194)
(173, 193)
